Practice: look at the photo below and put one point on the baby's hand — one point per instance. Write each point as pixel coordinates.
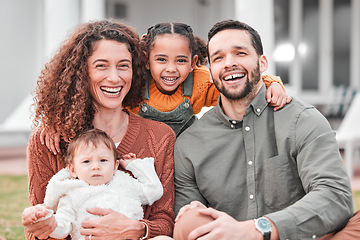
(51, 138)
(127, 158)
(276, 96)
(35, 213)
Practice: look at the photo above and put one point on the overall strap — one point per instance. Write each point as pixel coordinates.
(188, 85)
(147, 86)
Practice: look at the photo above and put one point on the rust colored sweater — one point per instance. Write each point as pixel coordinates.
(145, 138)
(204, 93)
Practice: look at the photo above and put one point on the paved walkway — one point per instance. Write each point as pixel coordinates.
(13, 162)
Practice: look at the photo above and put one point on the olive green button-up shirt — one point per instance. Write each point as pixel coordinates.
(284, 165)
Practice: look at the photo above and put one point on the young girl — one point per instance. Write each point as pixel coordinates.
(177, 88)
(92, 180)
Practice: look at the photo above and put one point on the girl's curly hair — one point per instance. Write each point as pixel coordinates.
(62, 97)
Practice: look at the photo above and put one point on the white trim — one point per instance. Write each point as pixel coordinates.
(354, 44)
(326, 52)
(295, 74)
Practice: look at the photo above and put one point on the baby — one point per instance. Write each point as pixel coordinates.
(91, 179)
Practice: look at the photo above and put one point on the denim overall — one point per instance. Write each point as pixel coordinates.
(178, 119)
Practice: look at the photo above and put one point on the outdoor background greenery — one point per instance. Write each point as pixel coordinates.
(14, 199)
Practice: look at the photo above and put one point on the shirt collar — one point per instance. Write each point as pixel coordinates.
(257, 106)
(259, 103)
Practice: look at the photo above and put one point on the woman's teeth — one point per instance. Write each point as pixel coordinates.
(111, 91)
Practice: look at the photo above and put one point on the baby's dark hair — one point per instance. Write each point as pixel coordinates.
(92, 137)
(182, 29)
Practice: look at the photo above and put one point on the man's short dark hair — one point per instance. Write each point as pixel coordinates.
(233, 24)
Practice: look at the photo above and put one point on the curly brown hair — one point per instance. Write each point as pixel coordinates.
(62, 97)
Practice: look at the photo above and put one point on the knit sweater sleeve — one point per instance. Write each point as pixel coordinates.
(161, 216)
(42, 165)
(147, 138)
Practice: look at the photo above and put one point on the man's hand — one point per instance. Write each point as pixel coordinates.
(224, 227)
(111, 225)
(193, 204)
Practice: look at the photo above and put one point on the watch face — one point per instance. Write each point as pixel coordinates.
(264, 224)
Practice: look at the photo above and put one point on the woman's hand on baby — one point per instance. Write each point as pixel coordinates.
(51, 138)
(276, 96)
(111, 225)
(193, 204)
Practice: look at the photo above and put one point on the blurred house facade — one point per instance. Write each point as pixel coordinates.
(312, 44)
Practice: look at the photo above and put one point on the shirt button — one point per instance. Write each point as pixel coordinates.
(251, 196)
(232, 126)
(313, 236)
(247, 129)
(258, 109)
(144, 109)
(186, 105)
(250, 162)
(233, 122)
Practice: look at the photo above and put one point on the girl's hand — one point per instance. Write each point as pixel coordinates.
(51, 138)
(276, 96)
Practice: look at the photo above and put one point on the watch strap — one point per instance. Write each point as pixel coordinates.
(267, 235)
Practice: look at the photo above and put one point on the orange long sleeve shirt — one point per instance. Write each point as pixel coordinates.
(204, 93)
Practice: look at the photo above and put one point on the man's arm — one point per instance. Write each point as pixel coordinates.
(327, 204)
(186, 189)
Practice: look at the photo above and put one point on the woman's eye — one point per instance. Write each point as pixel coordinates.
(124, 66)
(100, 66)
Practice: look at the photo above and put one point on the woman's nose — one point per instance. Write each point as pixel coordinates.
(113, 75)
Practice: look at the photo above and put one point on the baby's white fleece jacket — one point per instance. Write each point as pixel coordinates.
(70, 197)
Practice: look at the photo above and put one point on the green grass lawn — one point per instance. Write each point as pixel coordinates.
(14, 199)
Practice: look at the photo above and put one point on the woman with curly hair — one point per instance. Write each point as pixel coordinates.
(97, 72)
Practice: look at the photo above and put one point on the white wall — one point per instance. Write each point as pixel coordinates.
(21, 52)
(199, 14)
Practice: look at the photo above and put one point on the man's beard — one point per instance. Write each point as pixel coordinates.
(249, 86)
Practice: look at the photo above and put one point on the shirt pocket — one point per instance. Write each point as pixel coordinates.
(281, 182)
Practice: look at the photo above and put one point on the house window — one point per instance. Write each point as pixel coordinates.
(316, 45)
(341, 43)
(308, 48)
(117, 9)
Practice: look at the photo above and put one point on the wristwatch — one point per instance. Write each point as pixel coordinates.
(263, 225)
